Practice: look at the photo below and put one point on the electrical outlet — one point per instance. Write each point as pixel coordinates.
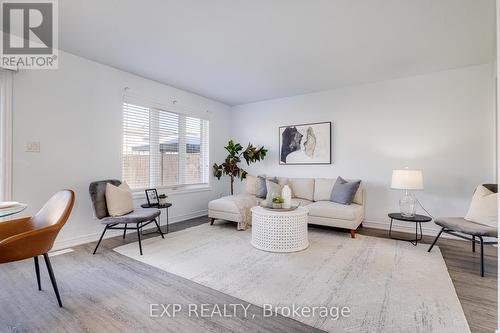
(33, 147)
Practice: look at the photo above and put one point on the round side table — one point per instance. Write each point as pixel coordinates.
(160, 207)
(417, 219)
(276, 231)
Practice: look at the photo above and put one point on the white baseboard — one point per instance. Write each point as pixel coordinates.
(74, 241)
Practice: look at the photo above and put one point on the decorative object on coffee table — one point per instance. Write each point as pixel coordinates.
(277, 202)
(417, 219)
(152, 196)
(230, 166)
(286, 194)
(407, 180)
(306, 143)
(278, 231)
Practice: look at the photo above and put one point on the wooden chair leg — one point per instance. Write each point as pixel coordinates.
(353, 233)
(212, 220)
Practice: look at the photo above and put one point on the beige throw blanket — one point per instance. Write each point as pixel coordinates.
(244, 204)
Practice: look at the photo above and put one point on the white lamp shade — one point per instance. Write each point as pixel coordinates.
(407, 180)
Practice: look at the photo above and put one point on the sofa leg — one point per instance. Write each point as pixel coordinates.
(353, 233)
(212, 220)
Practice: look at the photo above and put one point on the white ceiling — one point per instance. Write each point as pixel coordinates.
(241, 51)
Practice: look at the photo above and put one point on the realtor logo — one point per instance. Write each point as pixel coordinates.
(29, 38)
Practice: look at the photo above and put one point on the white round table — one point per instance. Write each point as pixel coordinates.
(279, 231)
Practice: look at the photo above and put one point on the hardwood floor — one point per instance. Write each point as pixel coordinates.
(112, 293)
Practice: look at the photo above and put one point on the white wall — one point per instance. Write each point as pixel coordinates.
(76, 115)
(442, 123)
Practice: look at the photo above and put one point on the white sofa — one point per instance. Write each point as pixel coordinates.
(312, 193)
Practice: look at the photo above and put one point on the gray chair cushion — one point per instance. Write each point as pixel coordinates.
(97, 192)
(467, 227)
(138, 215)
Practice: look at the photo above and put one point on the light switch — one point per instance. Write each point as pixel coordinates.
(33, 147)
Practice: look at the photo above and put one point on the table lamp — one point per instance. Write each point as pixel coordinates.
(407, 180)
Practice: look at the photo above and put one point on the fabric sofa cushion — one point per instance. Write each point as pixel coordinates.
(323, 189)
(251, 185)
(358, 197)
(228, 204)
(119, 199)
(283, 181)
(343, 191)
(484, 207)
(300, 202)
(302, 188)
(335, 210)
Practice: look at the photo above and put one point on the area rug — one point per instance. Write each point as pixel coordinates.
(387, 285)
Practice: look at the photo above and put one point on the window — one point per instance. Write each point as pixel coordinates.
(163, 148)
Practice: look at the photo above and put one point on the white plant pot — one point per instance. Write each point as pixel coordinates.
(162, 201)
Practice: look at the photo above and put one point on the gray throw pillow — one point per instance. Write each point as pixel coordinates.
(262, 187)
(343, 191)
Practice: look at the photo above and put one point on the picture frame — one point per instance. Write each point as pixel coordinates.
(152, 197)
(305, 144)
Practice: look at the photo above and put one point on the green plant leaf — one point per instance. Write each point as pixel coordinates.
(230, 166)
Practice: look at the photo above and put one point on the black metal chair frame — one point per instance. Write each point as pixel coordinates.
(481, 241)
(51, 275)
(138, 228)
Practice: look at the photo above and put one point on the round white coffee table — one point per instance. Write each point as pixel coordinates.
(278, 231)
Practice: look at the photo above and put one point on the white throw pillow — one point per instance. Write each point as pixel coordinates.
(273, 189)
(251, 185)
(119, 199)
(484, 207)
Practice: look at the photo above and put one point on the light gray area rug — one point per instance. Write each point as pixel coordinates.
(388, 285)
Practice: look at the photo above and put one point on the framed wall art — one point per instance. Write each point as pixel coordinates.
(306, 144)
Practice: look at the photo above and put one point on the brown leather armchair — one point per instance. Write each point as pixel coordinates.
(30, 237)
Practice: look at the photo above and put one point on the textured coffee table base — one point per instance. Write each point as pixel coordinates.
(279, 231)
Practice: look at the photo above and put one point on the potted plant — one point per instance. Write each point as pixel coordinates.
(230, 166)
(278, 201)
(162, 199)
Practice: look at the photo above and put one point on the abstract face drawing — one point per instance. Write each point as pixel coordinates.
(291, 139)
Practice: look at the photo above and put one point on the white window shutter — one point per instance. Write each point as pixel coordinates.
(163, 148)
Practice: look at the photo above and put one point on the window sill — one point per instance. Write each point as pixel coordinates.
(172, 191)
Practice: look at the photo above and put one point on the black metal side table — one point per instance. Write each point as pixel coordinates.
(417, 219)
(160, 207)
